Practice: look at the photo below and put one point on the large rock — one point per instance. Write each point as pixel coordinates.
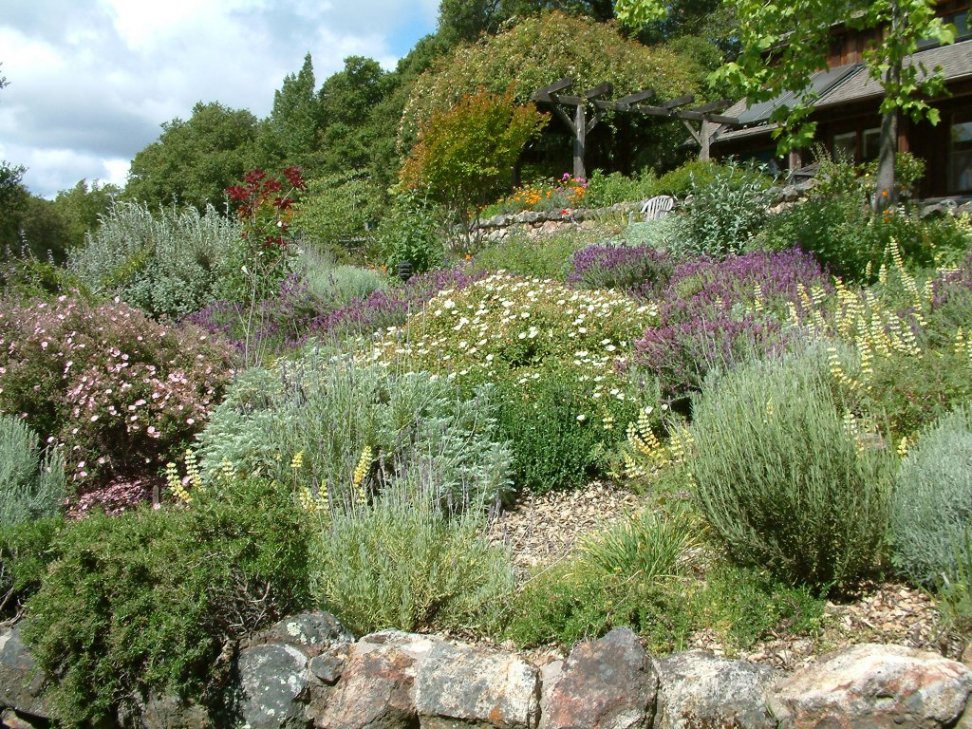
(276, 686)
(21, 682)
(698, 689)
(871, 686)
(170, 712)
(395, 680)
(377, 686)
(605, 684)
(462, 686)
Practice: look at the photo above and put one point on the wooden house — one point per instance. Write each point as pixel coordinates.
(846, 111)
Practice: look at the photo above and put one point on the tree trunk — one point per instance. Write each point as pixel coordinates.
(884, 192)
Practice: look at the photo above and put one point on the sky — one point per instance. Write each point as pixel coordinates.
(91, 81)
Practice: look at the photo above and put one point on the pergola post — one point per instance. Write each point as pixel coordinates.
(580, 139)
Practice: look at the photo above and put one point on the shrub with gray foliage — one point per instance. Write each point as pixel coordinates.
(168, 263)
(31, 478)
(932, 509)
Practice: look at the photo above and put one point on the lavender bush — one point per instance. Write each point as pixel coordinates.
(639, 270)
(704, 287)
(716, 314)
(287, 321)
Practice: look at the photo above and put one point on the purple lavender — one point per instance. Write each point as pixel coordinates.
(704, 287)
(708, 317)
(639, 270)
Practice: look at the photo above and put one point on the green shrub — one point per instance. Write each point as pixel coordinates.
(26, 551)
(553, 352)
(663, 234)
(401, 562)
(338, 210)
(931, 517)
(411, 233)
(168, 264)
(780, 478)
(334, 412)
(604, 190)
(680, 181)
(560, 437)
(119, 391)
(521, 255)
(836, 224)
(24, 277)
(32, 482)
(726, 210)
(147, 601)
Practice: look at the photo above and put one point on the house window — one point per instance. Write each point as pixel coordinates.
(871, 147)
(960, 153)
(962, 30)
(845, 147)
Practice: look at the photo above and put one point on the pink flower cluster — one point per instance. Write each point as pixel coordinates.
(120, 391)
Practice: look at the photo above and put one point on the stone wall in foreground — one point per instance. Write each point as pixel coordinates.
(308, 671)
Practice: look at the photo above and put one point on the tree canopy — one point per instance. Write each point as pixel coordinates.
(194, 161)
(538, 51)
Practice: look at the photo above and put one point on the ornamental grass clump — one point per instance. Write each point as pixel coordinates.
(931, 516)
(785, 478)
(118, 391)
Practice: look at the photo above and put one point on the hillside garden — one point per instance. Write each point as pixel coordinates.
(325, 394)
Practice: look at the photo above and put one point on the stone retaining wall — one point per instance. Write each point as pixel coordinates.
(536, 223)
(308, 671)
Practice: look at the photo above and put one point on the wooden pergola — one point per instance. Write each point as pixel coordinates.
(581, 122)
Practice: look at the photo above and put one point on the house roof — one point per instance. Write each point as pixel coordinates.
(843, 85)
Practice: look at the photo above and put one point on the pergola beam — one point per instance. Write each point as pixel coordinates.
(580, 124)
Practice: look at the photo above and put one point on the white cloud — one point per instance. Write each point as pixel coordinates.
(92, 80)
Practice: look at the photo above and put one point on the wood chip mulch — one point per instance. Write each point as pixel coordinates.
(542, 530)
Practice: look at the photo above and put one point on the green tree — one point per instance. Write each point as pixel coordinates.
(352, 130)
(289, 136)
(194, 161)
(466, 155)
(81, 208)
(13, 199)
(542, 49)
(784, 44)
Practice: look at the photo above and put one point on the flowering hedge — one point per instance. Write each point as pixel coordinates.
(117, 389)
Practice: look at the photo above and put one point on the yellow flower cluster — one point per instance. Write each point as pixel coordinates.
(193, 478)
(645, 455)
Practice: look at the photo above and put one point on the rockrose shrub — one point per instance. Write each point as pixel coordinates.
(555, 355)
(118, 390)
